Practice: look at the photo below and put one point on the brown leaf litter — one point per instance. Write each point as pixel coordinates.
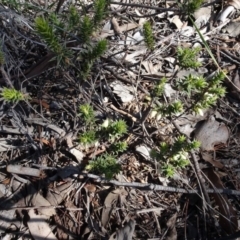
(45, 192)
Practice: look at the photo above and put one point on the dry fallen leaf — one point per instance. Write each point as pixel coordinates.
(202, 15)
(7, 144)
(209, 158)
(126, 27)
(75, 152)
(137, 37)
(227, 218)
(187, 122)
(234, 3)
(57, 196)
(28, 171)
(7, 217)
(171, 224)
(184, 73)
(60, 231)
(124, 233)
(132, 58)
(40, 201)
(187, 129)
(150, 68)
(230, 7)
(212, 133)
(233, 29)
(122, 91)
(142, 19)
(109, 203)
(115, 26)
(38, 227)
(177, 21)
(168, 90)
(117, 7)
(234, 86)
(144, 151)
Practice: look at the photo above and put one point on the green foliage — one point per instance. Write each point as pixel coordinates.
(193, 145)
(2, 58)
(56, 23)
(100, 11)
(208, 100)
(190, 6)
(192, 83)
(73, 18)
(217, 79)
(105, 164)
(56, 30)
(164, 148)
(107, 132)
(88, 137)
(85, 69)
(97, 50)
(168, 170)
(174, 157)
(119, 147)
(91, 55)
(47, 33)
(204, 92)
(86, 29)
(181, 145)
(159, 88)
(109, 129)
(187, 58)
(14, 4)
(148, 35)
(12, 95)
(174, 108)
(87, 113)
(116, 129)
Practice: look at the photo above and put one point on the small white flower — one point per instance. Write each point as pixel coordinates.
(105, 123)
(200, 112)
(153, 113)
(159, 116)
(176, 157)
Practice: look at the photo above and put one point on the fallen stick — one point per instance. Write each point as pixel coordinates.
(156, 187)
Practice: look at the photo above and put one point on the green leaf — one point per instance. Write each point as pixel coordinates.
(86, 29)
(2, 58)
(148, 35)
(119, 147)
(117, 129)
(192, 83)
(73, 18)
(205, 43)
(187, 58)
(192, 5)
(168, 170)
(100, 10)
(105, 164)
(46, 32)
(12, 95)
(88, 137)
(159, 88)
(98, 49)
(87, 113)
